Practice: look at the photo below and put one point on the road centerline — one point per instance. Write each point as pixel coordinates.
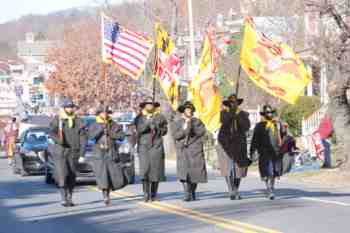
(228, 224)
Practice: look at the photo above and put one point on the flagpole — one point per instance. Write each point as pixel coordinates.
(154, 74)
(240, 66)
(238, 79)
(191, 28)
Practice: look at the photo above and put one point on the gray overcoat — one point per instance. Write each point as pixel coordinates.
(66, 151)
(190, 158)
(106, 166)
(150, 146)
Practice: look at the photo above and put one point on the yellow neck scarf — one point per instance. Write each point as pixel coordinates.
(70, 118)
(147, 114)
(101, 120)
(235, 119)
(270, 124)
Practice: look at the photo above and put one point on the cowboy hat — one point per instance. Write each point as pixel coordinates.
(149, 101)
(233, 97)
(183, 107)
(68, 103)
(267, 109)
(102, 108)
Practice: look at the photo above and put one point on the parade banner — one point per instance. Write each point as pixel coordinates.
(126, 49)
(205, 93)
(168, 66)
(272, 66)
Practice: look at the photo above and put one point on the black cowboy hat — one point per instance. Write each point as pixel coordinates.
(231, 98)
(149, 101)
(267, 109)
(68, 103)
(102, 108)
(187, 104)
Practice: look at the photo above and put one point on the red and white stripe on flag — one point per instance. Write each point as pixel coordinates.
(124, 48)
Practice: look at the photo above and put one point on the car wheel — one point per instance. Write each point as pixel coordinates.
(24, 173)
(15, 170)
(48, 177)
(132, 180)
(131, 175)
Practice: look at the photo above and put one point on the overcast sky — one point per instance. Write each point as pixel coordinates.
(13, 9)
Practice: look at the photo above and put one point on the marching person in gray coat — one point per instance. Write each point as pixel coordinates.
(188, 132)
(106, 166)
(66, 130)
(151, 126)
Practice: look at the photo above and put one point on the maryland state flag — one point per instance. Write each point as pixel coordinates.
(205, 94)
(168, 66)
(272, 66)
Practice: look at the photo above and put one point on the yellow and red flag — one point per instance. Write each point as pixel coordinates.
(272, 66)
(168, 66)
(204, 91)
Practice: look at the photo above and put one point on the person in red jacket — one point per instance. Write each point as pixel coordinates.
(11, 134)
(325, 131)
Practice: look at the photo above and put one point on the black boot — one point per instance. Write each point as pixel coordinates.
(70, 197)
(187, 191)
(64, 201)
(272, 187)
(272, 183)
(154, 190)
(106, 197)
(146, 190)
(230, 187)
(193, 191)
(236, 184)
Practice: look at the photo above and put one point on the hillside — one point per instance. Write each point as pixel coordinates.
(49, 26)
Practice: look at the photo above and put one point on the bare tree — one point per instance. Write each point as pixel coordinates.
(333, 46)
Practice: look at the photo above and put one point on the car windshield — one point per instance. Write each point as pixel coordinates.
(36, 137)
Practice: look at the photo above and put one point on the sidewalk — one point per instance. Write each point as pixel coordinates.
(2, 155)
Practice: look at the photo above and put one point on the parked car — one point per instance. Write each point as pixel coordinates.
(30, 154)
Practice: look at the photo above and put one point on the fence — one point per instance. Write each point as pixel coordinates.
(311, 123)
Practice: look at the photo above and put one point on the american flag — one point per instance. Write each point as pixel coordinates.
(126, 49)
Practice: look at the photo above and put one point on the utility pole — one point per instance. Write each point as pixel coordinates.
(191, 28)
(174, 14)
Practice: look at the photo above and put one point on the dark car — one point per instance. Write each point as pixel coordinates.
(30, 154)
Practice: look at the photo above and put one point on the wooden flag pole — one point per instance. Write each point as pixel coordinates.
(104, 80)
(154, 74)
(238, 79)
(240, 66)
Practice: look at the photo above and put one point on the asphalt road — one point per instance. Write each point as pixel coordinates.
(28, 205)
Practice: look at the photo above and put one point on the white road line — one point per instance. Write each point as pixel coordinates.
(326, 201)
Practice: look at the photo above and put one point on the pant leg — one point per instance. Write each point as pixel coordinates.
(327, 153)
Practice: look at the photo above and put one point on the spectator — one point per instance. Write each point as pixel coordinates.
(11, 134)
(326, 131)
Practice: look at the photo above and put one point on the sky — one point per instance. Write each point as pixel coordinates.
(13, 9)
